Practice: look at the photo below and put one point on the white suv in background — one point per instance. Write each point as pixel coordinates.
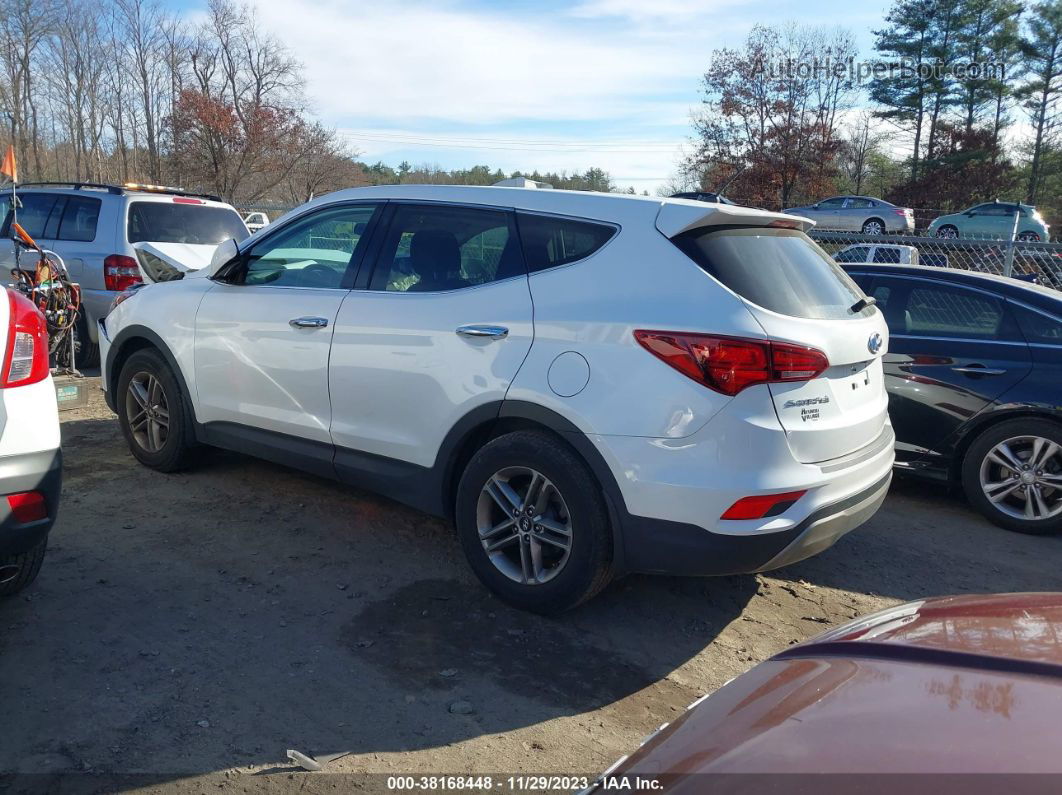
(586, 383)
(93, 228)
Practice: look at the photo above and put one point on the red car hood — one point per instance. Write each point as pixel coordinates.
(969, 684)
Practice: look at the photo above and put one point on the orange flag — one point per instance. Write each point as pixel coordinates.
(8, 166)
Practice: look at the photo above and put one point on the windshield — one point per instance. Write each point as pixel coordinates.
(196, 224)
(778, 269)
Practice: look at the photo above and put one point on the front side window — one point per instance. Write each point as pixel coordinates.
(311, 252)
(34, 210)
(550, 241)
(781, 270)
(434, 248)
(174, 222)
(993, 210)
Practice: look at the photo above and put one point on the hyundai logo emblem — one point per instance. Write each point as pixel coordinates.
(874, 343)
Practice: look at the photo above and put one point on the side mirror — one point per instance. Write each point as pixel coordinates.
(223, 255)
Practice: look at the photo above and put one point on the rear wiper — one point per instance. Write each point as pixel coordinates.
(862, 304)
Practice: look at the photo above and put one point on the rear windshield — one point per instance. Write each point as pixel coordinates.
(778, 269)
(197, 224)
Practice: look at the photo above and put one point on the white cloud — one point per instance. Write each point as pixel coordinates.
(672, 12)
(401, 60)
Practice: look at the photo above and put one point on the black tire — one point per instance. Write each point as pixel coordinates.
(976, 456)
(28, 563)
(948, 232)
(86, 352)
(870, 221)
(588, 567)
(177, 450)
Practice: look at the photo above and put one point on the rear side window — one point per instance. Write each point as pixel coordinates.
(434, 248)
(79, 219)
(195, 224)
(781, 270)
(890, 256)
(549, 242)
(1038, 328)
(857, 254)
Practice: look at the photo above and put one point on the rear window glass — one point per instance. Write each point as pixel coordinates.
(778, 269)
(548, 242)
(196, 224)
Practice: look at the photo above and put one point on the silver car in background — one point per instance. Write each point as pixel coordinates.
(858, 214)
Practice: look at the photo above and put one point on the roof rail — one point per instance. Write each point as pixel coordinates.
(119, 190)
(70, 184)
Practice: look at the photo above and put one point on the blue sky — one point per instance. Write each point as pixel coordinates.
(522, 85)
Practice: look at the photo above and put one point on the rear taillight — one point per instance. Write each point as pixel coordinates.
(762, 505)
(730, 364)
(29, 506)
(185, 200)
(120, 272)
(901, 211)
(26, 357)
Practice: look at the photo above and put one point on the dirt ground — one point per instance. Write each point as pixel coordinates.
(187, 629)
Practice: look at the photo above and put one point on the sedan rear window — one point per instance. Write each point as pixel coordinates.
(196, 224)
(781, 270)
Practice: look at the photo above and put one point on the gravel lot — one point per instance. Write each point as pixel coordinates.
(193, 627)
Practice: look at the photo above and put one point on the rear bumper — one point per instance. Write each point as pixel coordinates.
(41, 471)
(659, 546)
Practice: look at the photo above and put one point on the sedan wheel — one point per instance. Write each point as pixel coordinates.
(524, 525)
(1029, 237)
(873, 227)
(948, 232)
(1022, 478)
(148, 412)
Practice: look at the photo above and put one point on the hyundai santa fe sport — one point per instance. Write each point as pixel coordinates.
(586, 384)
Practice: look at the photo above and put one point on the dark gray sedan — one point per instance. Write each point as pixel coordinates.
(858, 214)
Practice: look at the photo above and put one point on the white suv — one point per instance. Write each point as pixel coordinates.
(94, 228)
(30, 457)
(586, 383)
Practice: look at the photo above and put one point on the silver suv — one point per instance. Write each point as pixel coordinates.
(93, 228)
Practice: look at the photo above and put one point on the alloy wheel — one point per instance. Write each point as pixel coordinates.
(1029, 237)
(948, 233)
(1022, 477)
(524, 525)
(873, 228)
(148, 412)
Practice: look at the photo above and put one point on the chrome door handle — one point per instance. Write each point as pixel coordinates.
(308, 322)
(978, 370)
(490, 332)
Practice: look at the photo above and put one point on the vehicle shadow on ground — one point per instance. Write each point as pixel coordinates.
(927, 541)
(208, 619)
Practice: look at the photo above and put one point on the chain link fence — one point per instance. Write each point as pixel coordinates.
(1038, 262)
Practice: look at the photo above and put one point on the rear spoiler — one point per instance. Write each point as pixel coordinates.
(681, 215)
